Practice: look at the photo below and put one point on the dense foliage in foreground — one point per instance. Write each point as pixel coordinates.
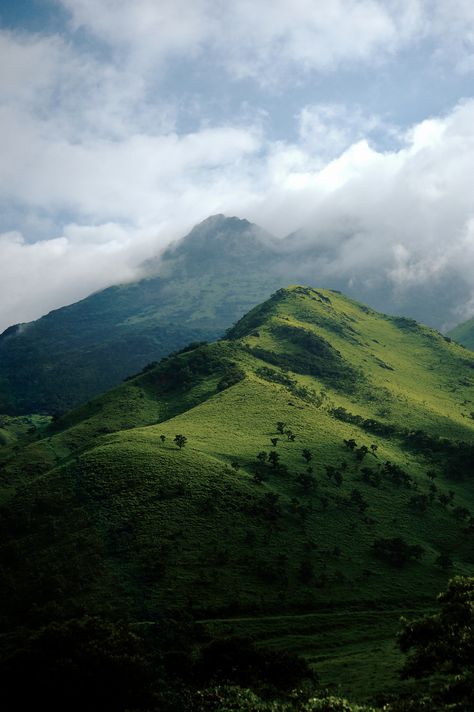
(96, 665)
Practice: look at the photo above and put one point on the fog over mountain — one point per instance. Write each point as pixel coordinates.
(124, 124)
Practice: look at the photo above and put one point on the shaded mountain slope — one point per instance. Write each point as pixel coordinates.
(464, 334)
(198, 288)
(106, 513)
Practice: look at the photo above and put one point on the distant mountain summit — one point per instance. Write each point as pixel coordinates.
(219, 237)
(217, 244)
(198, 288)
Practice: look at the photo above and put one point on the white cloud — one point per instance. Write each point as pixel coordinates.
(271, 39)
(88, 140)
(150, 30)
(258, 39)
(41, 276)
(399, 217)
(394, 220)
(328, 129)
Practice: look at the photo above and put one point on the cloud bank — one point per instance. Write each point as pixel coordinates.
(105, 157)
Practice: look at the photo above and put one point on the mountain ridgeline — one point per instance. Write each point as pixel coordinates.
(194, 291)
(325, 460)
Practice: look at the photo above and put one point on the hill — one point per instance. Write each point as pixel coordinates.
(464, 334)
(194, 291)
(364, 500)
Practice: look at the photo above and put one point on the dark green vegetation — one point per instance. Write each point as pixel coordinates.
(464, 334)
(195, 291)
(16, 430)
(173, 665)
(442, 644)
(324, 488)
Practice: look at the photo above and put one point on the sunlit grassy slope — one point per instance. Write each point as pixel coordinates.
(102, 514)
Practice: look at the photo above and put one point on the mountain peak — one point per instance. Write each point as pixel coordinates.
(284, 302)
(220, 242)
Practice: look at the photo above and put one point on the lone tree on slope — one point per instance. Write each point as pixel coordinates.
(180, 440)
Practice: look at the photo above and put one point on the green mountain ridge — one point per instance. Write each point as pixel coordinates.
(101, 514)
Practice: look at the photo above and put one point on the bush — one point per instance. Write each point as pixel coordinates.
(81, 664)
(239, 661)
(397, 552)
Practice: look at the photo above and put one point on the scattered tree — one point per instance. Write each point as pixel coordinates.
(358, 500)
(361, 452)
(270, 506)
(273, 458)
(396, 551)
(180, 440)
(371, 477)
(350, 444)
(461, 513)
(419, 502)
(444, 561)
(306, 571)
(306, 482)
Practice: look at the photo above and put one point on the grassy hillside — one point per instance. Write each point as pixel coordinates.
(365, 502)
(464, 334)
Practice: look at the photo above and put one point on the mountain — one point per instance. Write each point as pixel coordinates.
(194, 291)
(464, 334)
(364, 500)
(197, 289)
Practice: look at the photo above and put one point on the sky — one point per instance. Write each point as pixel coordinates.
(123, 124)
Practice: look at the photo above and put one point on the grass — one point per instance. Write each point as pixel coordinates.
(102, 514)
(353, 652)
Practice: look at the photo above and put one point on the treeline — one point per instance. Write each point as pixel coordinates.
(455, 457)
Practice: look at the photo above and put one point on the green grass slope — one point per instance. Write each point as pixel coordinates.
(368, 505)
(464, 334)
